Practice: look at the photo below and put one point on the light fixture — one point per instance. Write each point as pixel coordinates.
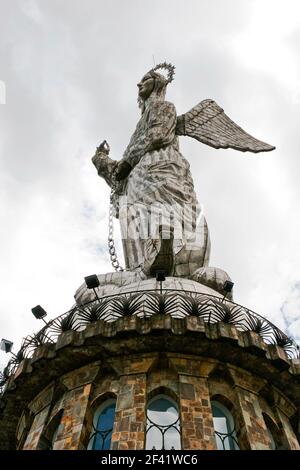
(227, 288)
(39, 313)
(160, 277)
(92, 282)
(6, 345)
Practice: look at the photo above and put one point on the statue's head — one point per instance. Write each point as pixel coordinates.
(155, 84)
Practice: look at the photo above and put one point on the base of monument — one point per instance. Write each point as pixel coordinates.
(205, 280)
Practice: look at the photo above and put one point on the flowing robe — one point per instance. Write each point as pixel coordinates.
(158, 193)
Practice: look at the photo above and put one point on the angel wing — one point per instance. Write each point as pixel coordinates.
(208, 123)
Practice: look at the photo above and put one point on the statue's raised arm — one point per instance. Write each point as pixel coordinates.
(106, 167)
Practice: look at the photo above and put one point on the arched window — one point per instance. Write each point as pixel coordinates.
(272, 432)
(103, 424)
(163, 426)
(48, 438)
(224, 427)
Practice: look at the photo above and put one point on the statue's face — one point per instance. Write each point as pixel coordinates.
(146, 86)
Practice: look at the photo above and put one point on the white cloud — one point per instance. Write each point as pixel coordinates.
(2, 92)
(264, 44)
(290, 311)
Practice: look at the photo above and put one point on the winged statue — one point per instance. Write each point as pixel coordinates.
(152, 189)
(208, 123)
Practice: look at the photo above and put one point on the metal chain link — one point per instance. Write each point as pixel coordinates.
(111, 243)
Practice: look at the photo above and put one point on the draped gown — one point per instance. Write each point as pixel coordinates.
(157, 195)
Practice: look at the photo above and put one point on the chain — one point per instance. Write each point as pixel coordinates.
(111, 243)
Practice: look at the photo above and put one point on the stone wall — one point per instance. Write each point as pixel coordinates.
(191, 381)
(51, 399)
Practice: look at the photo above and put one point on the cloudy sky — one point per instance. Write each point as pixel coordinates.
(68, 74)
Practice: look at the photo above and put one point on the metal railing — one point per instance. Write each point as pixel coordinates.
(145, 304)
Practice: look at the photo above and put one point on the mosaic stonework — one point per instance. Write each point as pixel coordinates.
(259, 392)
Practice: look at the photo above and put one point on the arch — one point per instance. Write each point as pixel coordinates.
(48, 437)
(23, 427)
(163, 421)
(224, 426)
(100, 399)
(221, 374)
(162, 374)
(222, 390)
(273, 432)
(103, 423)
(162, 391)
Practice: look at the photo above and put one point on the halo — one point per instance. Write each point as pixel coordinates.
(169, 67)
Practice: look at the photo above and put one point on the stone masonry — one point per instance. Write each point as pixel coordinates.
(214, 364)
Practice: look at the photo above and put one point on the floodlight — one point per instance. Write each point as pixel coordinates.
(39, 312)
(6, 345)
(160, 276)
(92, 281)
(228, 285)
(227, 288)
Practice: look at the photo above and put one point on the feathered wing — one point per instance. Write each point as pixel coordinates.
(208, 123)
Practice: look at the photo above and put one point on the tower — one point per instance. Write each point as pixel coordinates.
(180, 368)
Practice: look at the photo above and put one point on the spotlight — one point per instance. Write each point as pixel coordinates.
(39, 313)
(227, 288)
(160, 277)
(92, 282)
(6, 345)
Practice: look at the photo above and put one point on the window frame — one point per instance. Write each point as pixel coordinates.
(99, 410)
(231, 435)
(163, 428)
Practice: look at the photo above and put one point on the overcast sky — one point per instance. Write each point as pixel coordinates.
(70, 69)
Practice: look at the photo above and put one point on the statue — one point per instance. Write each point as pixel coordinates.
(152, 188)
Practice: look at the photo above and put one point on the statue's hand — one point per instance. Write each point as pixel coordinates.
(103, 149)
(123, 170)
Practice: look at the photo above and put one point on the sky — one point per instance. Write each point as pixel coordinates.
(68, 75)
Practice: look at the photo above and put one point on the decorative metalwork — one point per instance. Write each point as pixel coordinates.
(144, 304)
(103, 435)
(102, 427)
(224, 427)
(231, 438)
(126, 306)
(161, 304)
(163, 430)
